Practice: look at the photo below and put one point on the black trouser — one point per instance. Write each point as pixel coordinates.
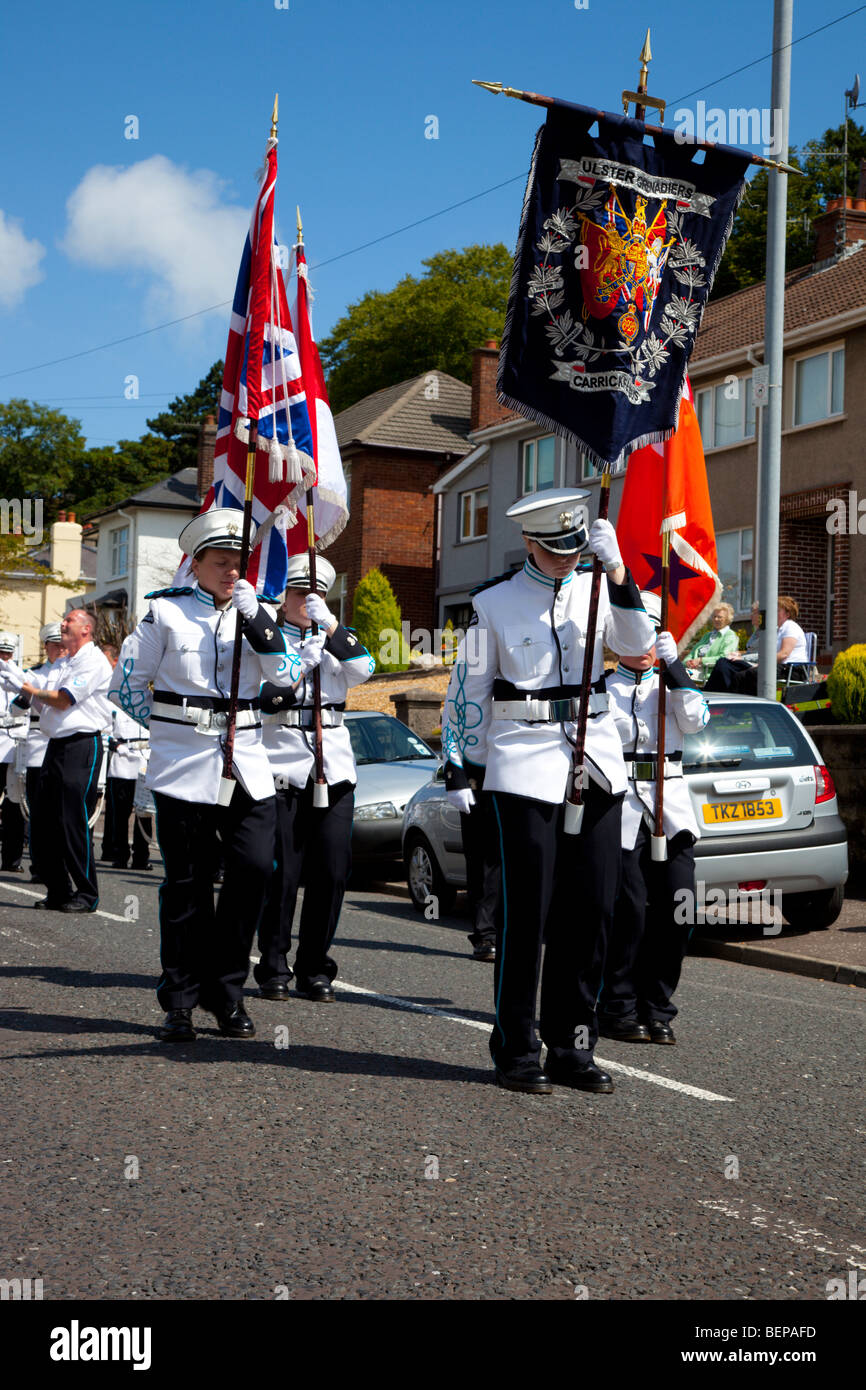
(119, 796)
(559, 889)
(738, 676)
(317, 842)
(205, 950)
(39, 839)
(482, 870)
(69, 792)
(649, 937)
(11, 824)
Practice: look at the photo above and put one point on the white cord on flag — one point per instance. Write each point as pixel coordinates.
(294, 467)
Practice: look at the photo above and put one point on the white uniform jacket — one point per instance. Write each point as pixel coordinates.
(13, 725)
(174, 676)
(634, 701)
(528, 634)
(36, 743)
(287, 715)
(126, 758)
(84, 677)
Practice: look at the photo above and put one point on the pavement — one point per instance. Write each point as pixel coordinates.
(361, 1150)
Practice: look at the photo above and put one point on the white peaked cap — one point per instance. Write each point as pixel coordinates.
(221, 527)
(555, 517)
(299, 573)
(8, 641)
(50, 632)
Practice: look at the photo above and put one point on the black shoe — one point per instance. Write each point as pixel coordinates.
(319, 991)
(580, 1076)
(142, 868)
(11, 868)
(177, 1026)
(50, 904)
(120, 864)
(527, 1077)
(625, 1029)
(274, 989)
(78, 905)
(485, 951)
(661, 1032)
(235, 1022)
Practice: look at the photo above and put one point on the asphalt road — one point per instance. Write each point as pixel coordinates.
(373, 1157)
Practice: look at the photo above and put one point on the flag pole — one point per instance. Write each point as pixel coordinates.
(574, 803)
(320, 786)
(659, 847)
(227, 781)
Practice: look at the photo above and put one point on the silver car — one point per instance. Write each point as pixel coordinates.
(392, 762)
(765, 803)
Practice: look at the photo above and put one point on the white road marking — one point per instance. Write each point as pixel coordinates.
(782, 1226)
(697, 1091)
(29, 893)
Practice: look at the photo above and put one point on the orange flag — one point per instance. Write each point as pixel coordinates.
(666, 490)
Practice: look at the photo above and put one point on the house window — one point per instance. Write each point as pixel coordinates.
(735, 567)
(819, 386)
(336, 598)
(539, 464)
(347, 474)
(473, 514)
(119, 551)
(726, 413)
(460, 615)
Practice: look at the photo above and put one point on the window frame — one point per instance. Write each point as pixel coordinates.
(533, 443)
(114, 550)
(827, 351)
(743, 397)
(472, 493)
(739, 612)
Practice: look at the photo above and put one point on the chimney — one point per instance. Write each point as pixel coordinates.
(828, 226)
(65, 554)
(485, 409)
(206, 442)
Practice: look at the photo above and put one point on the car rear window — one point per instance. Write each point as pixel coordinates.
(383, 739)
(747, 736)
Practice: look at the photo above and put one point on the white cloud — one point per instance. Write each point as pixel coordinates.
(19, 262)
(160, 221)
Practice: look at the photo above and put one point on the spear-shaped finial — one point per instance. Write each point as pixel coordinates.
(646, 55)
(640, 98)
(275, 117)
(300, 227)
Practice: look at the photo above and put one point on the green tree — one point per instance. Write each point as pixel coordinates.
(103, 477)
(376, 618)
(422, 324)
(744, 261)
(180, 422)
(846, 685)
(40, 449)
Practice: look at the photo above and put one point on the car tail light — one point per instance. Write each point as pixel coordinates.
(824, 788)
(752, 885)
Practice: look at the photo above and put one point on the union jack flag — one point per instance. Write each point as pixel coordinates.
(271, 393)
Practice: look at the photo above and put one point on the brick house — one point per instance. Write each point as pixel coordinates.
(394, 445)
(824, 423)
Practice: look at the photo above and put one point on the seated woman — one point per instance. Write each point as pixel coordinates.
(741, 677)
(720, 641)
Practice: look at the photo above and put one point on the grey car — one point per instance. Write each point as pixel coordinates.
(764, 800)
(392, 762)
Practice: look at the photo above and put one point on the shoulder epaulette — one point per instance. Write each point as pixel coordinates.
(168, 593)
(489, 583)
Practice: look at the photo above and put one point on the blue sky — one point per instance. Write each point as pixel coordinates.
(103, 237)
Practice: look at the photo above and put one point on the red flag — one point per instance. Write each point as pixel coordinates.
(666, 490)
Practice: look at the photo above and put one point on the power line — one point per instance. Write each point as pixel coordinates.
(386, 236)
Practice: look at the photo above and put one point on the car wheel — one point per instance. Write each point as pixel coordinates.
(424, 877)
(815, 910)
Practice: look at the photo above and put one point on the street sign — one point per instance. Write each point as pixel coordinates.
(760, 385)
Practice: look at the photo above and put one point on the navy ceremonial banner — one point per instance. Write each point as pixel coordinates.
(619, 243)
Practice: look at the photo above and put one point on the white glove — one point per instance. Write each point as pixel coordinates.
(11, 674)
(318, 611)
(311, 652)
(603, 541)
(666, 648)
(245, 599)
(462, 800)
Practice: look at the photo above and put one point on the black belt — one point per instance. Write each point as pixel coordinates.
(504, 690)
(220, 703)
(638, 755)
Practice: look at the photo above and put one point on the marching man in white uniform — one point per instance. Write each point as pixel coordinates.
(13, 727)
(647, 946)
(74, 711)
(127, 744)
(315, 838)
(511, 705)
(182, 648)
(36, 744)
